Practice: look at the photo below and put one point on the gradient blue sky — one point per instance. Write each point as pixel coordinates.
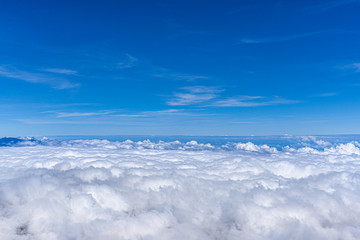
(179, 67)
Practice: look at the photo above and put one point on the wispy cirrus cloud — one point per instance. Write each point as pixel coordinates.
(328, 5)
(353, 66)
(188, 33)
(171, 75)
(151, 113)
(202, 89)
(194, 95)
(115, 113)
(81, 114)
(251, 101)
(35, 121)
(276, 39)
(128, 63)
(37, 77)
(164, 112)
(60, 71)
(160, 113)
(208, 96)
(181, 99)
(327, 94)
(108, 116)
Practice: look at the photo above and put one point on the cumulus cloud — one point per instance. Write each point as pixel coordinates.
(96, 189)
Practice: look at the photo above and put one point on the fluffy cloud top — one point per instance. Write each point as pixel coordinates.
(96, 189)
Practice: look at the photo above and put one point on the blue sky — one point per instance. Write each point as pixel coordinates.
(179, 67)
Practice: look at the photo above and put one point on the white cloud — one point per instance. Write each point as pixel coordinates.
(55, 82)
(188, 77)
(276, 39)
(251, 101)
(328, 94)
(208, 96)
(202, 89)
(61, 71)
(354, 66)
(171, 75)
(81, 114)
(180, 76)
(194, 95)
(180, 99)
(129, 115)
(96, 189)
(129, 63)
(153, 113)
(188, 33)
(36, 121)
(164, 112)
(328, 5)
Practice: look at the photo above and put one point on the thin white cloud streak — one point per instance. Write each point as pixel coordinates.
(181, 99)
(35, 121)
(180, 76)
(162, 113)
(209, 95)
(276, 39)
(128, 115)
(171, 75)
(105, 117)
(81, 114)
(174, 112)
(38, 78)
(329, 94)
(328, 5)
(111, 119)
(110, 113)
(61, 71)
(187, 34)
(152, 113)
(202, 89)
(68, 105)
(129, 63)
(248, 101)
(194, 95)
(356, 66)
(353, 66)
(244, 122)
(187, 77)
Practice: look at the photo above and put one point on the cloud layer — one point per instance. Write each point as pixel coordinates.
(96, 189)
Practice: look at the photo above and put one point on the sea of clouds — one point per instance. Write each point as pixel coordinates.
(99, 189)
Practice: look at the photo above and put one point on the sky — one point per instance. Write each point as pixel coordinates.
(179, 67)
